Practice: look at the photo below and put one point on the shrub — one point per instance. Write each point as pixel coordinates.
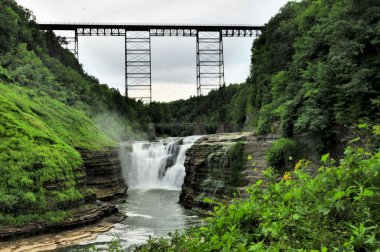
(281, 154)
(236, 164)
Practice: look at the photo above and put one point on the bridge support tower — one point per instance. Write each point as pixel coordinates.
(210, 62)
(138, 69)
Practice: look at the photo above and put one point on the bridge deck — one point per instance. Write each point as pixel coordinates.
(83, 29)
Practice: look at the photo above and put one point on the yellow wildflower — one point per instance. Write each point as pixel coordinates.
(287, 176)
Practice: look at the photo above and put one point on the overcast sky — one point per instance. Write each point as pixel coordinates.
(173, 58)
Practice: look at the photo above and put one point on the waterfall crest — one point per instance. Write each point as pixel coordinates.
(158, 165)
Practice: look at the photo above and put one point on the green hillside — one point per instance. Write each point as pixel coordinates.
(38, 136)
(316, 66)
(33, 62)
(48, 108)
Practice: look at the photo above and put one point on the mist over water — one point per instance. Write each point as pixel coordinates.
(157, 165)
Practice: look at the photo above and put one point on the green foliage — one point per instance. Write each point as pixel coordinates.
(32, 62)
(4, 75)
(337, 210)
(282, 153)
(51, 217)
(233, 98)
(236, 165)
(37, 140)
(315, 66)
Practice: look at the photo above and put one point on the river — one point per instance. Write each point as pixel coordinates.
(154, 172)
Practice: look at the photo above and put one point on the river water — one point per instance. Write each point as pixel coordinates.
(154, 172)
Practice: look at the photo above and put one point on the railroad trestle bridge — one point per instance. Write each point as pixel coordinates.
(138, 66)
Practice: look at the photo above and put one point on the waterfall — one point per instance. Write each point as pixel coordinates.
(157, 165)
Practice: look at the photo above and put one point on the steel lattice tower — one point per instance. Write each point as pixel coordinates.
(210, 66)
(138, 83)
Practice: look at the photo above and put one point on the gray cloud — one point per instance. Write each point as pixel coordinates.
(173, 59)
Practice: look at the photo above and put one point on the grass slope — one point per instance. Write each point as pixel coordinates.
(37, 139)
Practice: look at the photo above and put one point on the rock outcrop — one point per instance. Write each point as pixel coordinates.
(102, 185)
(212, 172)
(104, 174)
(84, 215)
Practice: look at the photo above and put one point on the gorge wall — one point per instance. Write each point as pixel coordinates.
(103, 171)
(102, 186)
(218, 166)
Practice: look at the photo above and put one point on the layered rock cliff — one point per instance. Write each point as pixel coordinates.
(102, 185)
(104, 174)
(220, 165)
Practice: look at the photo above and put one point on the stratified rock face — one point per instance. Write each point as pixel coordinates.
(104, 174)
(210, 171)
(84, 215)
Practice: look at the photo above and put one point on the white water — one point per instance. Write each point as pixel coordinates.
(158, 165)
(154, 172)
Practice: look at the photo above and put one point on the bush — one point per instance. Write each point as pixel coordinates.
(282, 153)
(236, 164)
(337, 210)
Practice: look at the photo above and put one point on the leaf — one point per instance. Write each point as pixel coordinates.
(296, 217)
(210, 201)
(362, 126)
(338, 195)
(288, 196)
(325, 157)
(368, 193)
(249, 157)
(259, 182)
(215, 238)
(354, 140)
(376, 130)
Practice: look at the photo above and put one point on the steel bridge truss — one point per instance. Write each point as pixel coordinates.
(138, 70)
(138, 82)
(73, 45)
(210, 62)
